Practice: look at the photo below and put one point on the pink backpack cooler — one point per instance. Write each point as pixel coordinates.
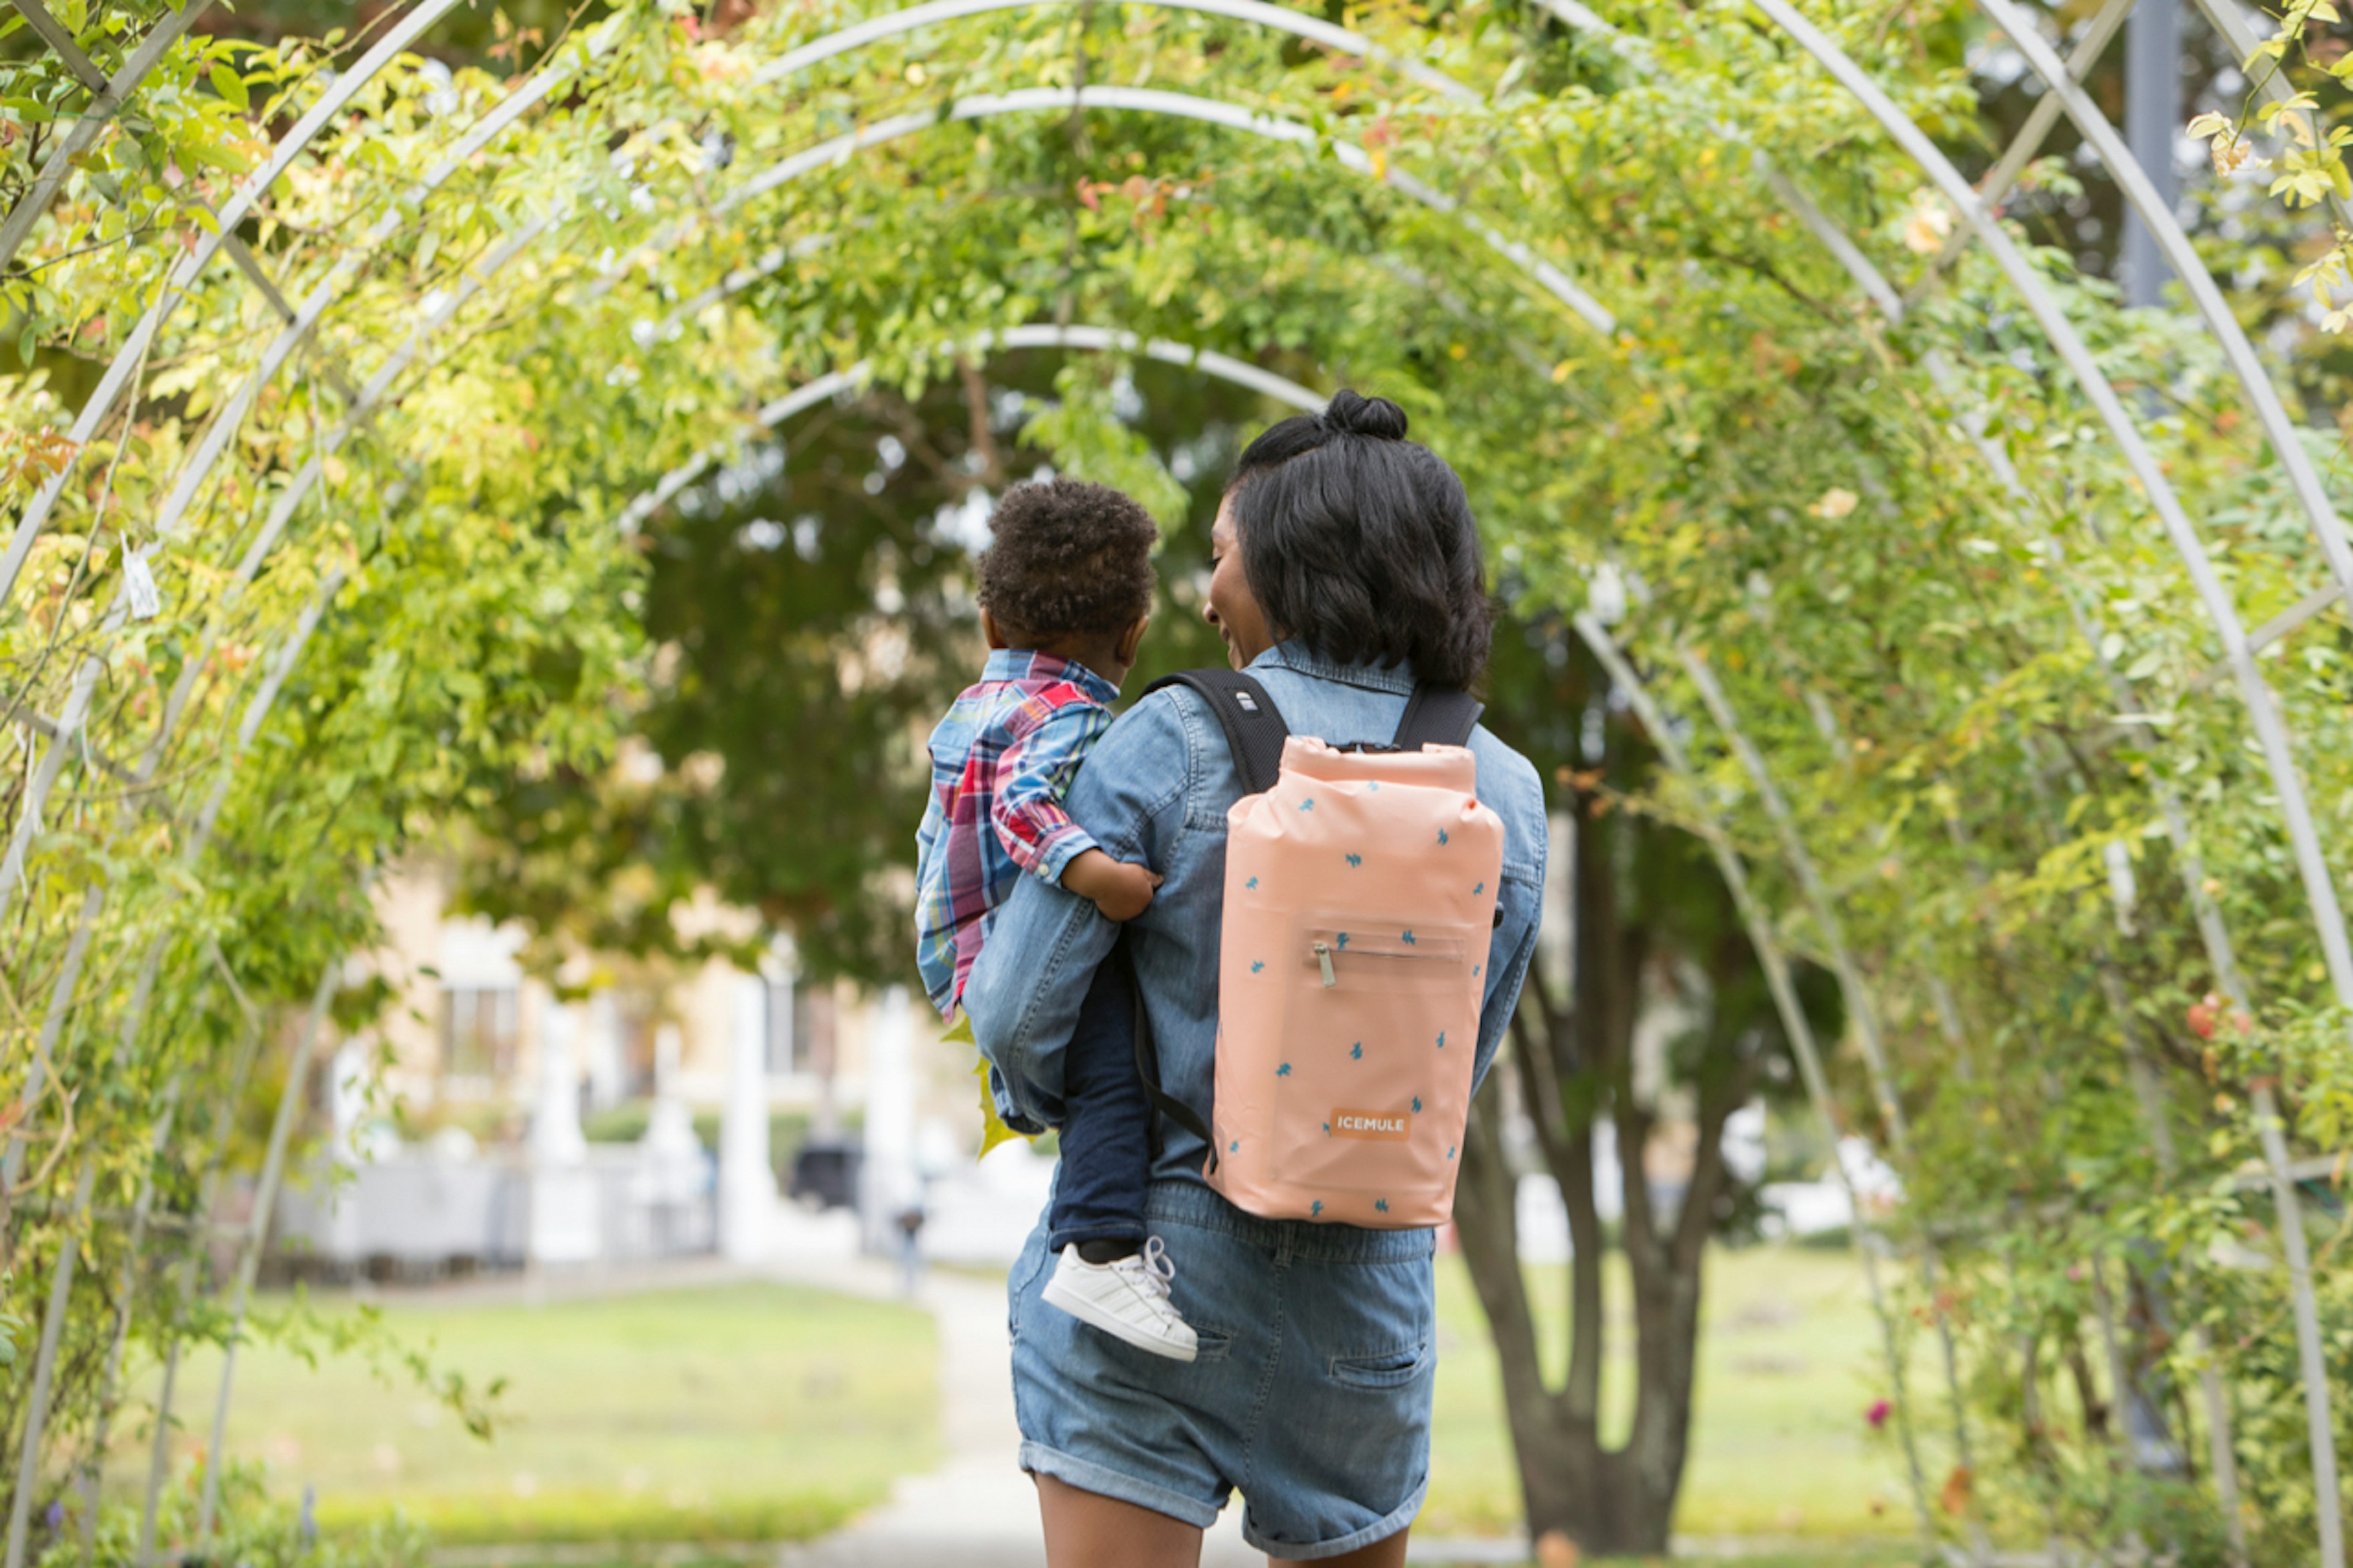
(1360, 899)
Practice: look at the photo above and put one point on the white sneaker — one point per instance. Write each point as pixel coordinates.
(1126, 1298)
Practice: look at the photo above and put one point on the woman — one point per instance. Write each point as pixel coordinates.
(1346, 565)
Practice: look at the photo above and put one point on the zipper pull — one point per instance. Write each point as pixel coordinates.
(1323, 957)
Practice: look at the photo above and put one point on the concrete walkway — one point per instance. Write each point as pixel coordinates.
(978, 1509)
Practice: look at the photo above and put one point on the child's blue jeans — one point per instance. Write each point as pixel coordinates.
(1106, 1134)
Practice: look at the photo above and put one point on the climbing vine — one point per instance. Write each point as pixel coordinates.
(284, 594)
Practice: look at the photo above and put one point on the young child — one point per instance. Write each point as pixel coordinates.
(1065, 591)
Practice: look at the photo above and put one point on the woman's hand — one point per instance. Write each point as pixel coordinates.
(1121, 890)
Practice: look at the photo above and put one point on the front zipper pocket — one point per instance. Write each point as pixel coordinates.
(1385, 955)
(1379, 1036)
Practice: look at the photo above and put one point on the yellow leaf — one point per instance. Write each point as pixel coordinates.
(993, 1129)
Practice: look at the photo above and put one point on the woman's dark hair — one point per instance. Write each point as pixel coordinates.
(1361, 544)
(1066, 558)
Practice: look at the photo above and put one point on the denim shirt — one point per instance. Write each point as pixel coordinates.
(1155, 788)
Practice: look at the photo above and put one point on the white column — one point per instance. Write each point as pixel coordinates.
(607, 1072)
(747, 1183)
(887, 1177)
(565, 1223)
(670, 1130)
(347, 1083)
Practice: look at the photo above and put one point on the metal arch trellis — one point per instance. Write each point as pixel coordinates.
(828, 152)
(113, 385)
(306, 479)
(300, 323)
(1088, 338)
(2238, 653)
(106, 101)
(257, 712)
(823, 49)
(2213, 933)
(216, 437)
(1107, 340)
(1849, 971)
(536, 88)
(2262, 705)
(274, 357)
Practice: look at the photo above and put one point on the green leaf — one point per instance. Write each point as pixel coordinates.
(230, 86)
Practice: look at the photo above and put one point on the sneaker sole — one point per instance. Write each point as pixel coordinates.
(1088, 1313)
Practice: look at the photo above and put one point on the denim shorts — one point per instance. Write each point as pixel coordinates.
(1311, 1392)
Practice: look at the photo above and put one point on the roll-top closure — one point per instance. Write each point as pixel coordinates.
(1433, 767)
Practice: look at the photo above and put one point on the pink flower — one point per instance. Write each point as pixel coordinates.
(1877, 1413)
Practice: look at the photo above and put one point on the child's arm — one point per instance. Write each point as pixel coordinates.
(1043, 838)
(1120, 890)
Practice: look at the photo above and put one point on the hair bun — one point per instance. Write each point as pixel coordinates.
(1365, 416)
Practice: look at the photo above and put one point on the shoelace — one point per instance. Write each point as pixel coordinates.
(1155, 1270)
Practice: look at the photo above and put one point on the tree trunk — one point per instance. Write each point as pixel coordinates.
(1597, 1498)
(1575, 1063)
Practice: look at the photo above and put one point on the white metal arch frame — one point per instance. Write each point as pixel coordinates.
(114, 382)
(2239, 659)
(2219, 954)
(300, 323)
(2262, 705)
(908, 19)
(1173, 105)
(537, 88)
(821, 155)
(976, 108)
(1091, 338)
(1224, 114)
(1009, 103)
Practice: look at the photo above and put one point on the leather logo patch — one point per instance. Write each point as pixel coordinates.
(1374, 1126)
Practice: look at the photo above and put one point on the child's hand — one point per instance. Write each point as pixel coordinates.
(1122, 891)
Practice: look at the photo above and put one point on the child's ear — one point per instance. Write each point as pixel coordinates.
(991, 630)
(1132, 639)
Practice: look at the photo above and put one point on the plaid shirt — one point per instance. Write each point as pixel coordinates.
(1000, 762)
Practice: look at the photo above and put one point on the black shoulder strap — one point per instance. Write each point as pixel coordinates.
(1253, 725)
(1438, 715)
(1147, 1063)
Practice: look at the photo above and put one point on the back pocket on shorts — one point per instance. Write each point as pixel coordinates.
(1382, 1369)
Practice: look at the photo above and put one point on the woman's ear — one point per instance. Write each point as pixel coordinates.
(1131, 639)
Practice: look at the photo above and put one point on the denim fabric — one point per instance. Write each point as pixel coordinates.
(1107, 1122)
(1311, 1394)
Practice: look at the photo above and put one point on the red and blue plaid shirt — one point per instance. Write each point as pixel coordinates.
(1000, 762)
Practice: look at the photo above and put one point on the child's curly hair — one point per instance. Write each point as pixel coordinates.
(1069, 558)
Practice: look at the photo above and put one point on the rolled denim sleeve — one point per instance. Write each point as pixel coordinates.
(1520, 903)
(1023, 993)
(1508, 957)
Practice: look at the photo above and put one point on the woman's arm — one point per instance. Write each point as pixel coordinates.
(1024, 991)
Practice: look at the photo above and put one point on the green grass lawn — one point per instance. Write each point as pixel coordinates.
(738, 1412)
(755, 1412)
(1789, 1361)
